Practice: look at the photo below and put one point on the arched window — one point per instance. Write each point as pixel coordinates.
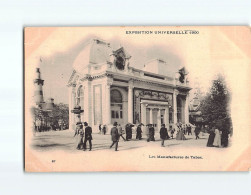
(116, 104)
(116, 96)
(80, 97)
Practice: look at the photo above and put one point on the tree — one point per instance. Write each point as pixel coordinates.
(50, 119)
(215, 105)
(60, 112)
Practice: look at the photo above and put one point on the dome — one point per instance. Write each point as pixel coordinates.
(95, 52)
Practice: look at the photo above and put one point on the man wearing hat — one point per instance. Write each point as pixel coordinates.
(127, 128)
(139, 132)
(197, 131)
(151, 133)
(115, 136)
(163, 134)
(88, 135)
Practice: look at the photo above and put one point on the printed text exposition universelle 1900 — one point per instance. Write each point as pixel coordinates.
(149, 32)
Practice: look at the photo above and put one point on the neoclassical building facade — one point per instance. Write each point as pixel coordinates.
(108, 89)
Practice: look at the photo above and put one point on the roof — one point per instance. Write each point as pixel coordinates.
(96, 51)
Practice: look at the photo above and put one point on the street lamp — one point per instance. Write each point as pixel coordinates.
(77, 110)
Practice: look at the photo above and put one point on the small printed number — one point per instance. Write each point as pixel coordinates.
(53, 161)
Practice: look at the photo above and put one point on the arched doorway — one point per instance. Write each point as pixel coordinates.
(116, 106)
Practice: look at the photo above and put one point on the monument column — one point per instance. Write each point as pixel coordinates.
(130, 102)
(175, 92)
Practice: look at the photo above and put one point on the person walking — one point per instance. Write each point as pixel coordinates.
(121, 132)
(189, 129)
(151, 133)
(77, 128)
(211, 137)
(88, 136)
(127, 131)
(163, 134)
(172, 131)
(217, 138)
(139, 132)
(100, 128)
(104, 129)
(197, 132)
(180, 133)
(130, 131)
(147, 133)
(80, 134)
(224, 137)
(115, 136)
(128, 128)
(184, 129)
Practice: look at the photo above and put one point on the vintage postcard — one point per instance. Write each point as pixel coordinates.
(142, 98)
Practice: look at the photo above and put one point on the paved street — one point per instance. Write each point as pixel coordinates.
(64, 140)
(56, 150)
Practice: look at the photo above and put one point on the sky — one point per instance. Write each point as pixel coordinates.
(204, 54)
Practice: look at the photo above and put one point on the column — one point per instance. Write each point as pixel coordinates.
(70, 107)
(72, 120)
(187, 109)
(73, 96)
(175, 106)
(166, 117)
(88, 95)
(143, 116)
(151, 116)
(158, 119)
(183, 102)
(130, 103)
(108, 104)
(74, 105)
(90, 103)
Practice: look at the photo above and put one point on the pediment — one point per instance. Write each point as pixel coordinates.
(73, 79)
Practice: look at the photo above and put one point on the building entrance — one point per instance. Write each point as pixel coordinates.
(155, 112)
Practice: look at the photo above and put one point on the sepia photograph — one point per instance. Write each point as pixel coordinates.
(142, 98)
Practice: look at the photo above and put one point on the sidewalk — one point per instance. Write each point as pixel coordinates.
(64, 140)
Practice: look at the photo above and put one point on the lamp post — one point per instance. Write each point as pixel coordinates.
(77, 110)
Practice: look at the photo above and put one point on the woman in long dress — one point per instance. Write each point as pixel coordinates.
(211, 138)
(217, 138)
(80, 134)
(180, 134)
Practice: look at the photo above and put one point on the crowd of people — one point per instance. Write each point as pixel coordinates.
(39, 126)
(102, 129)
(217, 138)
